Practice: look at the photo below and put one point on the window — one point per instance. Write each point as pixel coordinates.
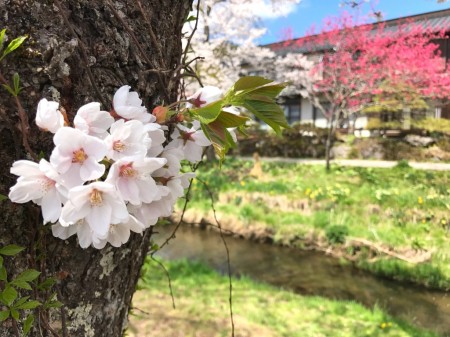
(292, 110)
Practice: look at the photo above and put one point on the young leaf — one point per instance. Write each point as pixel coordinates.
(21, 301)
(13, 45)
(47, 283)
(29, 305)
(3, 197)
(15, 314)
(9, 294)
(28, 275)
(208, 113)
(2, 37)
(4, 315)
(3, 274)
(191, 18)
(28, 323)
(229, 120)
(9, 89)
(11, 250)
(250, 82)
(21, 284)
(16, 81)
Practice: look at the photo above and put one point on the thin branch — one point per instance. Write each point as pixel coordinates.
(185, 52)
(168, 278)
(24, 124)
(230, 298)
(83, 54)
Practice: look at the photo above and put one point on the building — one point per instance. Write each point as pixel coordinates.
(300, 109)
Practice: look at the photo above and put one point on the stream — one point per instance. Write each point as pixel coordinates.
(309, 273)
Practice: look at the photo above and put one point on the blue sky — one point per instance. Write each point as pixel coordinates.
(312, 12)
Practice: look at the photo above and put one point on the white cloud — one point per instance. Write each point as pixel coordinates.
(270, 9)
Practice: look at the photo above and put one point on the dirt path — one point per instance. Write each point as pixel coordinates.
(358, 163)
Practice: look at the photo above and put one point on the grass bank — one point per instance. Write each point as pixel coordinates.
(391, 221)
(201, 297)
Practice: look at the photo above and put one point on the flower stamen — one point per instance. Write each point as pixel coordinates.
(79, 156)
(96, 197)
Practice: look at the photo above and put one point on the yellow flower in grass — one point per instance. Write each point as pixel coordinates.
(242, 183)
(308, 191)
(420, 200)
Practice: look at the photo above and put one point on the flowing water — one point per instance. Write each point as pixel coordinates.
(309, 273)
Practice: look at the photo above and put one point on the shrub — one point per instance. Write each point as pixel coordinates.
(336, 234)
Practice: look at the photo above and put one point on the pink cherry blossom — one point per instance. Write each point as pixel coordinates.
(204, 96)
(38, 183)
(190, 140)
(128, 105)
(76, 156)
(48, 117)
(99, 204)
(133, 180)
(92, 121)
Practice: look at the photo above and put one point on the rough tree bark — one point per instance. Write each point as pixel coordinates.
(80, 51)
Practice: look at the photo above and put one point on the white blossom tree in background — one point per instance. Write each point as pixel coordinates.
(226, 39)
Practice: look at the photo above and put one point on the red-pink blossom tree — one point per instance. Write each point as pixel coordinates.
(354, 63)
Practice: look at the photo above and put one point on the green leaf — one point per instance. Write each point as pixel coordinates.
(47, 283)
(11, 250)
(270, 113)
(15, 314)
(13, 45)
(16, 81)
(3, 197)
(3, 274)
(2, 37)
(4, 315)
(219, 137)
(9, 294)
(1, 261)
(9, 89)
(20, 301)
(28, 323)
(28, 275)
(21, 284)
(191, 18)
(229, 120)
(208, 113)
(250, 82)
(53, 304)
(29, 305)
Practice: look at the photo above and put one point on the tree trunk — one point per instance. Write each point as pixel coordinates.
(329, 142)
(79, 51)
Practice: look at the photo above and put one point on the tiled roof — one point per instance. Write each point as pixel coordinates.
(438, 20)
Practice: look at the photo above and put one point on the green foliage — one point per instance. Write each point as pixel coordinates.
(257, 95)
(262, 309)
(13, 303)
(336, 234)
(392, 207)
(403, 164)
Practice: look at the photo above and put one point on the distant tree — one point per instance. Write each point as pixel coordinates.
(354, 64)
(226, 39)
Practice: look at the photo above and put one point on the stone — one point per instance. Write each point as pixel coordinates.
(419, 141)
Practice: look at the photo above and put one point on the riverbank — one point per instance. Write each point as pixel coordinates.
(392, 221)
(201, 298)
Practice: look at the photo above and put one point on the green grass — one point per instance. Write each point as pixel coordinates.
(401, 207)
(201, 297)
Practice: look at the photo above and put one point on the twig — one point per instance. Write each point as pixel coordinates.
(83, 54)
(47, 325)
(227, 251)
(24, 124)
(185, 52)
(15, 327)
(168, 279)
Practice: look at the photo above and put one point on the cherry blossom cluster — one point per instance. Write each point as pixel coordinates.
(110, 173)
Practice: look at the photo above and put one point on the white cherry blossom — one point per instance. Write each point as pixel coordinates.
(38, 183)
(99, 204)
(204, 96)
(76, 156)
(48, 117)
(133, 180)
(127, 139)
(128, 105)
(92, 121)
(190, 140)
